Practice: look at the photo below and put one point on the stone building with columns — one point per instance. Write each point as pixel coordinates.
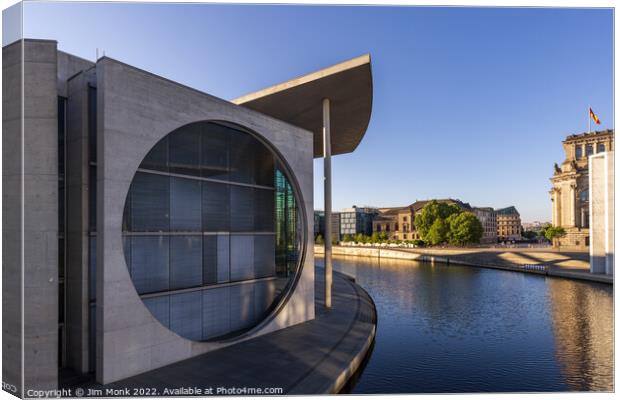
(569, 192)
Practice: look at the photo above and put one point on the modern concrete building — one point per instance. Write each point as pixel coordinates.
(601, 193)
(569, 192)
(357, 220)
(508, 224)
(146, 222)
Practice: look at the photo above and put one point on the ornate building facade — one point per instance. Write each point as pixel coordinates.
(398, 222)
(569, 192)
(508, 224)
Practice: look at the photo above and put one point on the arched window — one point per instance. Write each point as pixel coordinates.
(589, 150)
(578, 152)
(600, 148)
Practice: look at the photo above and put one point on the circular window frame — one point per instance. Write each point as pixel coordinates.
(282, 300)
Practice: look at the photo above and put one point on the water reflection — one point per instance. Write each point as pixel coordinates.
(583, 326)
(460, 329)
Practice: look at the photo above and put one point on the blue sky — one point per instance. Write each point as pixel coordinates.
(469, 103)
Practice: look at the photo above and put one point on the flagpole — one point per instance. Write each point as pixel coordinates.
(589, 119)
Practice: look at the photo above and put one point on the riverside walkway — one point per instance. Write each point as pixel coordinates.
(552, 262)
(315, 357)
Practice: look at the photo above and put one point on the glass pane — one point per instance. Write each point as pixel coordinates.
(157, 158)
(184, 150)
(601, 148)
(215, 312)
(92, 337)
(160, 308)
(241, 209)
(209, 259)
(241, 257)
(185, 261)
(263, 210)
(150, 198)
(92, 267)
(242, 148)
(263, 164)
(242, 312)
(92, 124)
(215, 153)
(215, 207)
(185, 205)
(186, 314)
(264, 294)
(223, 258)
(92, 198)
(264, 251)
(150, 263)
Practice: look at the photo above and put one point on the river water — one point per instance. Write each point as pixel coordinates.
(448, 328)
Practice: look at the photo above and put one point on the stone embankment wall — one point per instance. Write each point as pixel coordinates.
(544, 261)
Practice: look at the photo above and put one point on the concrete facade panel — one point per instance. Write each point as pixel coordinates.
(135, 110)
(31, 239)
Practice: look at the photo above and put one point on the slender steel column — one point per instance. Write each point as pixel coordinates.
(327, 191)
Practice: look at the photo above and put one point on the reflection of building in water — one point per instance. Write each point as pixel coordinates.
(583, 330)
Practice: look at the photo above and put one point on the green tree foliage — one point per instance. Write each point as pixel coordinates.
(464, 228)
(530, 234)
(347, 238)
(432, 211)
(554, 232)
(438, 232)
(319, 239)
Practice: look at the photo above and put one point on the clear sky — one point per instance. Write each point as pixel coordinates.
(469, 103)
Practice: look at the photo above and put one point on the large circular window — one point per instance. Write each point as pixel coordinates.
(211, 231)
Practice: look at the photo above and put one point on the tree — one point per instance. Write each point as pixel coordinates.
(432, 211)
(375, 237)
(347, 238)
(438, 232)
(319, 239)
(530, 234)
(554, 232)
(464, 228)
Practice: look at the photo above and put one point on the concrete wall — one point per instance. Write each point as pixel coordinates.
(135, 110)
(31, 167)
(601, 172)
(12, 147)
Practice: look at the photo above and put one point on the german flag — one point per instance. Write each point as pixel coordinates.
(594, 117)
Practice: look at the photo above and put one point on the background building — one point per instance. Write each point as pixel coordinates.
(399, 222)
(488, 219)
(356, 220)
(319, 225)
(508, 224)
(570, 186)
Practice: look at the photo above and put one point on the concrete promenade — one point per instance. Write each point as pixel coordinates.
(315, 357)
(562, 263)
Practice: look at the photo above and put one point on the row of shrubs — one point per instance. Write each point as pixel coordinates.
(375, 238)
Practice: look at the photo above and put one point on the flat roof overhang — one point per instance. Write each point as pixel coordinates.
(347, 85)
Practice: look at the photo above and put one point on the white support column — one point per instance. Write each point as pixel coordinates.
(327, 191)
(572, 204)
